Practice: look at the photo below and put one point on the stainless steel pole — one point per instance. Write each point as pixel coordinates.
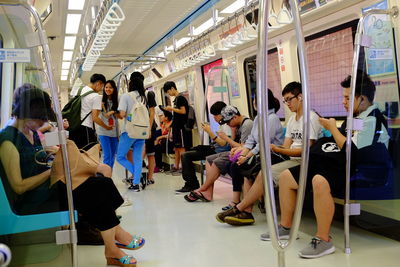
(262, 107)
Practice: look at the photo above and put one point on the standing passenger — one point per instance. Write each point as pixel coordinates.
(85, 136)
(182, 138)
(136, 93)
(109, 107)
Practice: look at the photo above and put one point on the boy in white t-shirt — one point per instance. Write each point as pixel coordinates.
(292, 146)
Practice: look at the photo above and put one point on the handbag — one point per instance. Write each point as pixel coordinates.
(83, 164)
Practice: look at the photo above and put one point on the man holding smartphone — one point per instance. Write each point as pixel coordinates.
(201, 152)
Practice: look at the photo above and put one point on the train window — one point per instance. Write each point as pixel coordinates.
(274, 80)
(217, 88)
(330, 56)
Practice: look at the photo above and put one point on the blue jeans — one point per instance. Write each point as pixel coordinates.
(109, 146)
(126, 143)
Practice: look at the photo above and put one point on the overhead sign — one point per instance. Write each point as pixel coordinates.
(15, 55)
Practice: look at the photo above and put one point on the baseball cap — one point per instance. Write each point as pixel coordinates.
(228, 113)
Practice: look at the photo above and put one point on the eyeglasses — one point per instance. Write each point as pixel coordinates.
(289, 99)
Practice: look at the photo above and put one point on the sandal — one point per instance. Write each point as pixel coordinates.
(136, 243)
(125, 261)
(199, 195)
(190, 198)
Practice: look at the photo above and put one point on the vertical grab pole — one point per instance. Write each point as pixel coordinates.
(61, 132)
(262, 106)
(358, 42)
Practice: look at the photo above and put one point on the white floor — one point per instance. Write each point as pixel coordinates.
(183, 234)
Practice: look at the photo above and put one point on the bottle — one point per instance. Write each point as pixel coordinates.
(110, 121)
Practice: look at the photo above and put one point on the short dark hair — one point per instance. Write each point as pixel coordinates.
(293, 87)
(97, 78)
(136, 74)
(364, 85)
(169, 85)
(216, 108)
(168, 115)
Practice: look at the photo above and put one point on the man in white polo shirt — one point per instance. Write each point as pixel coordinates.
(85, 135)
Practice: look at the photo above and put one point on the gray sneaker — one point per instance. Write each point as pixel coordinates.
(317, 248)
(282, 232)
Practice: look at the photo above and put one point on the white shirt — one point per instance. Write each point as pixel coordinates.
(294, 130)
(87, 105)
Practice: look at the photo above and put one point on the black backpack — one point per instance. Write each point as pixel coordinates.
(72, 110)
(191, 119)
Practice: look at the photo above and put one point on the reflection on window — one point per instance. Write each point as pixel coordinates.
(330, 58)
(274, 79)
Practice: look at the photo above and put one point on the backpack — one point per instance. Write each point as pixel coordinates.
(72, 110)
(191, 119)
(137, 123)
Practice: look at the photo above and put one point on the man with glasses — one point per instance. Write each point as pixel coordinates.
(291, 147)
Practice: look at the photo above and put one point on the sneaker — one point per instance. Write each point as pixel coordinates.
(185, 189)
(283, 234)
(149, 182)
(317, 248)
(135, 188)
(242, 218)
(231, 212)
(127, 181)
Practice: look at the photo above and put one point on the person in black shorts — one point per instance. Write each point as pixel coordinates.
(327, 166)
(182, 138)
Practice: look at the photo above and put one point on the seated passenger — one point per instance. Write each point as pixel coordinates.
(160, 142)
(219, 163)
(325, 178)
(27, 181)
(201, 152)
(248, 163)
(292, 147)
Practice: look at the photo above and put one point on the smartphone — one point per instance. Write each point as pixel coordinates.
(317, 113)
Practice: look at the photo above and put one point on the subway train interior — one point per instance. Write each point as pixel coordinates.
(58, 205)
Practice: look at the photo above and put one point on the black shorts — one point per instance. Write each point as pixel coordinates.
(150, 148)
(335, 176)
(181, 138)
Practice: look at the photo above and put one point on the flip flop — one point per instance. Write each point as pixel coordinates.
(199, 195)
(190, 197)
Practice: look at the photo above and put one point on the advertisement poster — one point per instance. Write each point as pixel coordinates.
(232, 78)
(307, 5)
(380, 56)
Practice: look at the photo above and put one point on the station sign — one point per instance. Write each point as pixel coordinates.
(15, 55)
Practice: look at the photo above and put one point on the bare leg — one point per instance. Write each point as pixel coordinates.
(178, 152)
(256, 191)
(104, 169)
(212, 174)
(287, 197)
(151, 164)
(324, 206)
(122, 236)
(111, 250)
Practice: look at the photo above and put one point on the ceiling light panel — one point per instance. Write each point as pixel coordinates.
(76, 4)
(69, 42)
(205, 26)
(64, 72)
(65, 65)
(73, 22)
(182, 41)
(235, 6)
(67, 55)
(64, 78)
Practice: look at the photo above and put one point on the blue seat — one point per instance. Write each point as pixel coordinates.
(11, 223)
